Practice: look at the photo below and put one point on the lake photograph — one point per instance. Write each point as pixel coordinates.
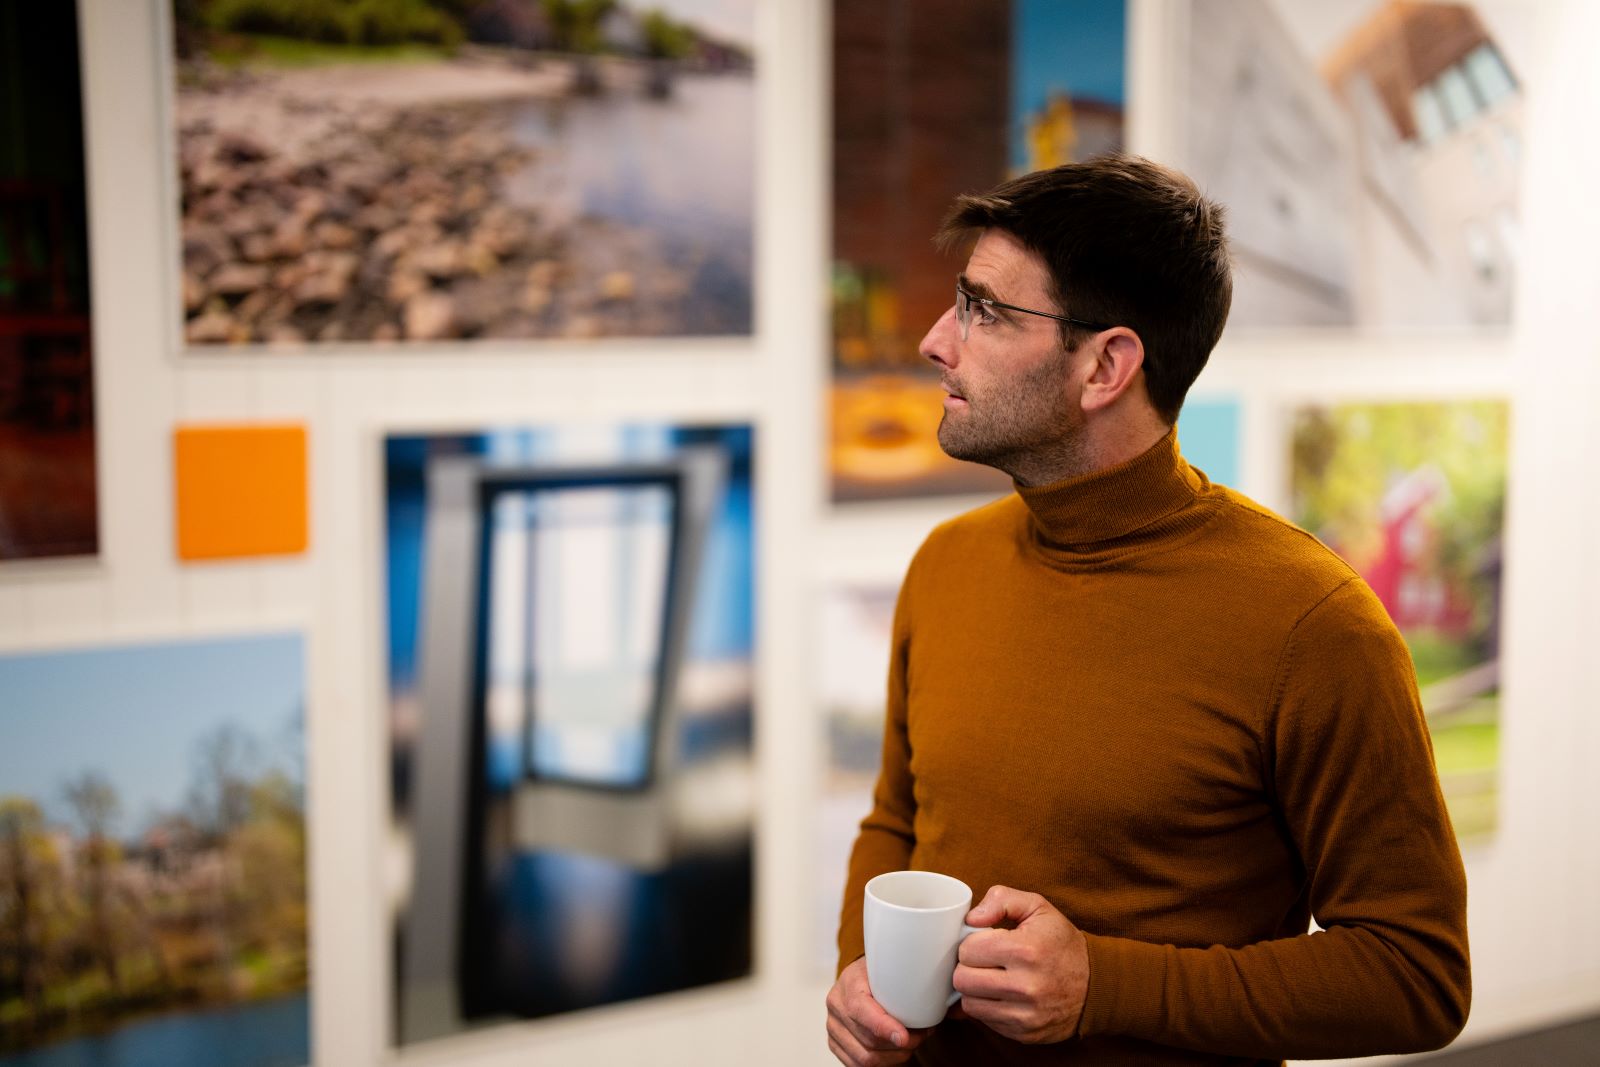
(153, 856)
(444, 170)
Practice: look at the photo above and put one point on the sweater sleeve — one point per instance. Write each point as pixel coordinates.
(1347, 753)
(887, 835)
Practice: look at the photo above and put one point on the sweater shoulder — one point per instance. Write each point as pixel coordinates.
(1269, 559)
(973, 535)
(1297, 589)
(1264, 530)
(977, 529)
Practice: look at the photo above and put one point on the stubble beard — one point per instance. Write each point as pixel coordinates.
(1021, 427)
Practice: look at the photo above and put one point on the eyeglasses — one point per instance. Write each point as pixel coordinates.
(965, 300)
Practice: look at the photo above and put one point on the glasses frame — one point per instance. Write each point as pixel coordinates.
(965, 300)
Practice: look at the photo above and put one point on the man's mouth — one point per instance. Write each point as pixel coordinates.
(954, 393)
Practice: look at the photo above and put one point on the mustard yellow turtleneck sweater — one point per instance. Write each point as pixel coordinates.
(1191, 728)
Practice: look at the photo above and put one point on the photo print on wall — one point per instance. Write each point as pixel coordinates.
(435, 170)
(571, 630)
(1209, 438)
(1368, 153)
(853, 636)
(153, 855)
(933, 98)
(48, 499)
(1412, 495)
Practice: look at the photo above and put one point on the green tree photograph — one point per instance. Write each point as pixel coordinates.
(153, 856)
(1412, 495)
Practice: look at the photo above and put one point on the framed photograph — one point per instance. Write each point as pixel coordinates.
(933, 98)
(153, 855)
(1369, 155)
(1413, 496)
(453, 170)
(571, 631)
(1210, 438)
(855, 623)
(48, 499)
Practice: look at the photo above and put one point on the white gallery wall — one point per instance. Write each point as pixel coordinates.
(1535, 929)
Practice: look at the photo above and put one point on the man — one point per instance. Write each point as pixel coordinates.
(1162, 727)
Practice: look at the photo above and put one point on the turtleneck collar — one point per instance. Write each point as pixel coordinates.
(1092, 511)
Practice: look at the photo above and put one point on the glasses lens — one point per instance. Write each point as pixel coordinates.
(963, 311)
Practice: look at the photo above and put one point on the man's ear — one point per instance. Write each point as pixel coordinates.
(1118, 356)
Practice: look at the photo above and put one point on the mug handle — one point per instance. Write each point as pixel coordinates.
(966, 932)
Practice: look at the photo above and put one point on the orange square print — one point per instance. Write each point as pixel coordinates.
(241, 491)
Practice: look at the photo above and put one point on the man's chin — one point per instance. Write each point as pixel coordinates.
(955, 446)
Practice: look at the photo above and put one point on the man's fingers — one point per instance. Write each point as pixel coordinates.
(860, 1032)
(989, 983)
(990, 1011)
(844, 1045)
(988, 948)
(875, 1027)
(851, 1055)
(854, 1013)
(1003, 903)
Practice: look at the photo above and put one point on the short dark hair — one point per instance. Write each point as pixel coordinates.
(1127, 242)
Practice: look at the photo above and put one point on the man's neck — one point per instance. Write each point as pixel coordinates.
(1095, 449)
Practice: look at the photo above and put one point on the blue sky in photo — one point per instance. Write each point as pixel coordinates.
(134, 712)
(1074, 46)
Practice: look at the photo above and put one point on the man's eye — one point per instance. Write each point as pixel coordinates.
(985, 316)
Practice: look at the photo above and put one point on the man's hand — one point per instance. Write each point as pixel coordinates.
(860, 1032)
(1026, 983)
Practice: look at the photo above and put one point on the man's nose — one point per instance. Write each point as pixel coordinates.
(942, 342)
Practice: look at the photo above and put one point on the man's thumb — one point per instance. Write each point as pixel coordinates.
(999, 904)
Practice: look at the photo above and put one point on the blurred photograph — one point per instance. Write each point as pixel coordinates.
(854, 626)
(571, 629)
(933, 98)
(153, 856)
(48, 498)
(1413, 497)
(1369, 154)
(431, 170)
(1210, 438)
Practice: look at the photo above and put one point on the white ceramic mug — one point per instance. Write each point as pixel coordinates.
(914, 924)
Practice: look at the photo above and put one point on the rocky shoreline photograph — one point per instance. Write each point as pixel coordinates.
(400, 171)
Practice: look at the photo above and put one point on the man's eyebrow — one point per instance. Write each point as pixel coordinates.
(980, 289)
